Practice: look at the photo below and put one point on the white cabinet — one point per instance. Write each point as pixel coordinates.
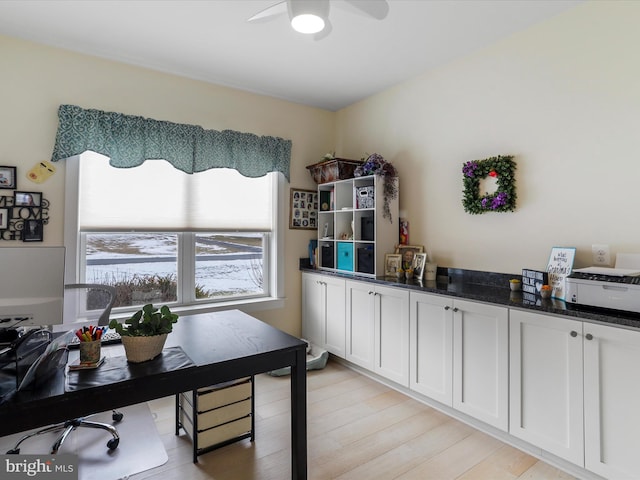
(431, 346)
(575, 391)
(481, 362)
(612, 401)
(459, 355)
(546, 383)
(353, 233)
(323, 312)
(378, 329)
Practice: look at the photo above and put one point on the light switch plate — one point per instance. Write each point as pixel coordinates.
(601, 255)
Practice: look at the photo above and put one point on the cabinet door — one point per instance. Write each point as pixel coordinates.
(360, 323)
(612, 401)
(481, 362)
(431, 346)
(335, 319)
(313, 311)
(546, 383)
(391, 337)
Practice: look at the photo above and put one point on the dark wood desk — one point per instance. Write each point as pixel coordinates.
(223, 346)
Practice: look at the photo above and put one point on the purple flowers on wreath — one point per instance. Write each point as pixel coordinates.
(496, 202)
(469, 169)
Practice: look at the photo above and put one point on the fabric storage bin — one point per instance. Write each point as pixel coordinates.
(365, 260)
(345, 256)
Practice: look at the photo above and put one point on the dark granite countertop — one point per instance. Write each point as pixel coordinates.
(493, 288)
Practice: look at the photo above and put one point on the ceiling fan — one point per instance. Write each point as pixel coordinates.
(312, 16)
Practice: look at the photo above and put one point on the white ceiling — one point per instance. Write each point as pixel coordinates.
(211, 40)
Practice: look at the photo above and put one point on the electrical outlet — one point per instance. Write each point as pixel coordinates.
(601, 255)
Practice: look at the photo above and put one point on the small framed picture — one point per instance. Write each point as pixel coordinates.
(27, 199)
(303, 210)
(8, 177)
(408, 252)
(32, 231)
(419, 262)
(4, 218)
(392, 264)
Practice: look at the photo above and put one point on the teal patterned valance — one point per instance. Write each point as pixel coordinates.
(130, 140)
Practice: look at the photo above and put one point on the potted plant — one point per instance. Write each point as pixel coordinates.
(144, 334)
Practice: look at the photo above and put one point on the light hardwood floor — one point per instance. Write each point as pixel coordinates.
(357, 429)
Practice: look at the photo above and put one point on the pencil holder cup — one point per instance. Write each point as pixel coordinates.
(90, 352)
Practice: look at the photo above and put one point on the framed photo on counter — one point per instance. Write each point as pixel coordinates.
(559, 268)
(392, 264)
(408, 252)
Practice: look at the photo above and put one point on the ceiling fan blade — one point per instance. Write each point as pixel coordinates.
(267, 13)
(375, 8)
(325, 31)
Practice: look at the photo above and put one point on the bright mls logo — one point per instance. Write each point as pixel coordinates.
(51, 467)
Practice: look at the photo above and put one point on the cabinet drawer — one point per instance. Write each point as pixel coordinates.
(218, 416)
(208, 399)
(213, 436)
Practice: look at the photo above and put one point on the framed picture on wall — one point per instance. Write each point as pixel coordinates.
(32, 231)
(27, 199)
(4, 218)
(303, 209)
(8, 177)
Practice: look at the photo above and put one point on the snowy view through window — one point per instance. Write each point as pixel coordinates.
(143, 266)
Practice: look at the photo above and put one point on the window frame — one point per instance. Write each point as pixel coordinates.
(75, 245)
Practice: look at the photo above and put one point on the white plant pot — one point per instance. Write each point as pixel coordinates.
(142, 349)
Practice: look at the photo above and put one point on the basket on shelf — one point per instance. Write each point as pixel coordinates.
(333, 169)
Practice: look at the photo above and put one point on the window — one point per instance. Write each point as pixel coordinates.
(163, 236)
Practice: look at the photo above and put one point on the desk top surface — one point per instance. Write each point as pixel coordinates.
(220, 345)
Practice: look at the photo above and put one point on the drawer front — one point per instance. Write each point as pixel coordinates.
(219, 398)
(216, 435)
(222, 415)
(224, 432)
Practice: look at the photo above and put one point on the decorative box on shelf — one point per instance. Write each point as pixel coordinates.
(334, 169)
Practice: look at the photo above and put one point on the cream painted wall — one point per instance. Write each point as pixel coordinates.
(563, 97)
(35, 80)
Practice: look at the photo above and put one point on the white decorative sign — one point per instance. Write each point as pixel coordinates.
(559, 268)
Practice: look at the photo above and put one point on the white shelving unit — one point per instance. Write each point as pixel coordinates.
(353, 236)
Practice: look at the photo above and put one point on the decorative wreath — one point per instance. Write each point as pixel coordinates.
(503, 199)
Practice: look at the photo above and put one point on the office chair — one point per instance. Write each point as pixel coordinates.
(86, 297)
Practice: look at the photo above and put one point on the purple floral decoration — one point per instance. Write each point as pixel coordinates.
(470, 168)
(499, 201)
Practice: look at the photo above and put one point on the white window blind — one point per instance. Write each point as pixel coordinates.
(157, 196)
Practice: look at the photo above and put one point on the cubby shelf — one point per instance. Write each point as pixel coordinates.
(353, 236)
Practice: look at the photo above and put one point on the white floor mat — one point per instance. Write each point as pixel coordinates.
(140, 446)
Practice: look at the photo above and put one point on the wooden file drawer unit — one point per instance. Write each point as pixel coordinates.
(217, 416)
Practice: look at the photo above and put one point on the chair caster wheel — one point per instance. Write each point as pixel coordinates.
(117, 416)
(113, 443)
(14, 451)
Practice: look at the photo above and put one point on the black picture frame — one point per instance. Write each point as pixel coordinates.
(303, 209)
(32, 230)
(27, 199)
(4, 218)
(7, 178)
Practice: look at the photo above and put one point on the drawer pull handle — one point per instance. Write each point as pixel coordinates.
(574, 333)
(455, 309)
(447, 307)
(588, 336)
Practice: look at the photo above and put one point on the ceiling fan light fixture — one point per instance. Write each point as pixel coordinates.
(308, 16)
(307, 23)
